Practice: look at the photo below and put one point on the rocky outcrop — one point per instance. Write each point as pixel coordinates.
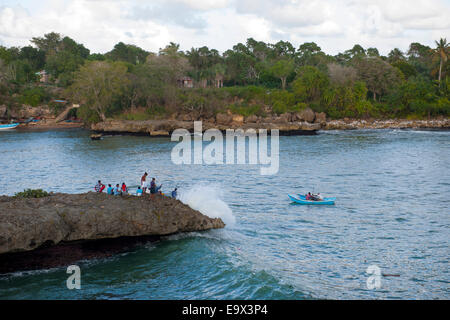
(223, 122)
(26, 111)
(223, 118)
(352, 124)
(27, 224)
(321, 117)
(307, 115)
(286, 123)
(251, 119)
(238, 119)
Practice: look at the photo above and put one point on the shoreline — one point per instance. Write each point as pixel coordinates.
(164, 128)
(50, 126)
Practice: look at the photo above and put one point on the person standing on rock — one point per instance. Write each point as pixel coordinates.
(124, 188)
(144, 182)
(99, 187)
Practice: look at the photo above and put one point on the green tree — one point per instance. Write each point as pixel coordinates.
(34, 56)
(373, 52)
(127, 53)
(441, 51)
(395, 55)
(50, 43)
(309, 84)
(378, 75)
(406, 68)
(420, 57)
(309, 53)
(98, 83)
(282, 69)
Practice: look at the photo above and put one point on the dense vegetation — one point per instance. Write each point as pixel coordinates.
(252, 78)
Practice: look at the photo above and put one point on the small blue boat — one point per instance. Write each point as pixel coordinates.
(8, 126)
(301, 199)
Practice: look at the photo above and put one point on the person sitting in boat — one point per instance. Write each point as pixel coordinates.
(174, 193)
(124, 188)
(153, 188)
(117, 191)
(308, 196)
(319, 197)
(314, 197)
(139, 192)
(99, 187)
(110, 189)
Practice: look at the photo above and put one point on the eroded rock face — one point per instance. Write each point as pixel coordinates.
(26, 224)
(321, 117)
(28, 111)
(251, 119)
(307, 115)
(223, 118)
(223, 122)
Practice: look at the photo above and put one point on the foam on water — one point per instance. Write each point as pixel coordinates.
(206, 198)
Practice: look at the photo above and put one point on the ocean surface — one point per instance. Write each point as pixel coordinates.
(392, 212)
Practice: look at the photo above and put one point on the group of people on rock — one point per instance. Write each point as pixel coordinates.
(145, 187)
(116, 191)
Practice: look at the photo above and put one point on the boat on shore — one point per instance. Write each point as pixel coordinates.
(301, 199)
(8, 126)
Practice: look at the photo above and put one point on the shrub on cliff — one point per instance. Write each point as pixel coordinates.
(34, 96)
(32, 193)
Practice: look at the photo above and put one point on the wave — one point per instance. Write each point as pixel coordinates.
(206, 198)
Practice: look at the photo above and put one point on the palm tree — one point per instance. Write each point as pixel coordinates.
(441, 51)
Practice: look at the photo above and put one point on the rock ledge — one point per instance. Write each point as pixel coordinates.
(28, 224)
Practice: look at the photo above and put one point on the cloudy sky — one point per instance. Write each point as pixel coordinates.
(335, 25)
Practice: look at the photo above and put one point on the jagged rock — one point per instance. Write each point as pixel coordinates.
(159, 133)
(321, 117)
(186, 117)
(222, 118)
(251, 119)
(26, 111)
(26, 224)
(96, 136)
(287, 117)
(237, 118)
(306, 115)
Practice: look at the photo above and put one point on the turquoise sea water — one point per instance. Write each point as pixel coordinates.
(392, 211)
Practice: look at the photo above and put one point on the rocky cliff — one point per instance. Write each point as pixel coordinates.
(30, 224)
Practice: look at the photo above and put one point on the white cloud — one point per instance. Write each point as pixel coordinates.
(336, 25)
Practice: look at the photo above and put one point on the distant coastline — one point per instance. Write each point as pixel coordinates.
(164, 127)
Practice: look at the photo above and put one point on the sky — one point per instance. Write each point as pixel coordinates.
(335, 25)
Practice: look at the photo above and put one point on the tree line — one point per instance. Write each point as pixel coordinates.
(255, 77)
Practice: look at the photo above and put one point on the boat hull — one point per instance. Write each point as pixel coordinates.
(325, 201)
(8, 126)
